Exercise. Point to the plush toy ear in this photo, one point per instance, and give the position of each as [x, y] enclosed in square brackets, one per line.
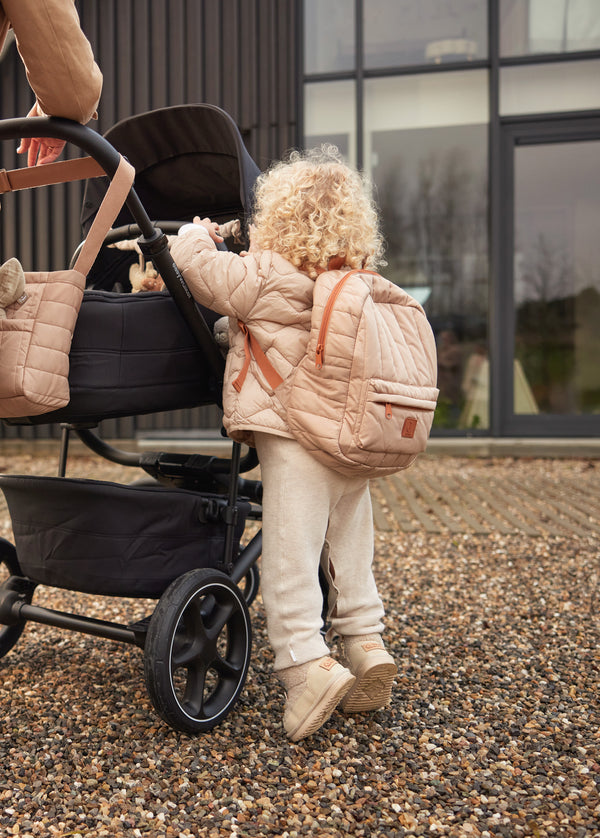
[12, 284]
[136, 277]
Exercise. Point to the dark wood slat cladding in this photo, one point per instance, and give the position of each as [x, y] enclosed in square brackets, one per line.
[238, 54]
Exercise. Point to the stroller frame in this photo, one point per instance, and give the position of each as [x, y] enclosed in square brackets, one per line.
[200, 627]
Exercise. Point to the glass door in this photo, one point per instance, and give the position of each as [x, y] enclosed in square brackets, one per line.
[550, 314]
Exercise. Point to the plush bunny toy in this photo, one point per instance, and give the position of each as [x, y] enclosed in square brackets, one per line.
[12, 285]
[144, 277]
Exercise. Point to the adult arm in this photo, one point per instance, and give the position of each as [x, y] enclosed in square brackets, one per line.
[57, 56]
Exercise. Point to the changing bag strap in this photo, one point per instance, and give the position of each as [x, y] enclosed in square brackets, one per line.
[110, 207]
[50, 173]
[78, 169]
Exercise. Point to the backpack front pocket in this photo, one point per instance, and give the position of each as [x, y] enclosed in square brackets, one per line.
[395, 418]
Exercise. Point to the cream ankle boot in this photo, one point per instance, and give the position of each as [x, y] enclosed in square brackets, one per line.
[365, 656]
[314, 690]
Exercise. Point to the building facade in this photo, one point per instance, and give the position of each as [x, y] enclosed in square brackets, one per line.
[479, 124]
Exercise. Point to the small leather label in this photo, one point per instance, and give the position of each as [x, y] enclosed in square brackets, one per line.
[409, 427]
[373, 644]
[327, 663]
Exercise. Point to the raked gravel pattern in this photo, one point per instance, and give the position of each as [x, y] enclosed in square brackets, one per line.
[493, 728]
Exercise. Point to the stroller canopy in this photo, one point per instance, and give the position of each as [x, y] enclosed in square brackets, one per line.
[189, 160]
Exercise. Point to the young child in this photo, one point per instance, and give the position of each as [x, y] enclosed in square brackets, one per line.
[312, 214]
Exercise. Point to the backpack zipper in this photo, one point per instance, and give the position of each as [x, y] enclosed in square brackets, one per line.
[337, 288]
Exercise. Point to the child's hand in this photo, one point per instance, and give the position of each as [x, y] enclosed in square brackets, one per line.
[211, 226]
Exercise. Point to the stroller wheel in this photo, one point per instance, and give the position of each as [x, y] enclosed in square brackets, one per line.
[197, 650]
[9, 566]
[250, 584]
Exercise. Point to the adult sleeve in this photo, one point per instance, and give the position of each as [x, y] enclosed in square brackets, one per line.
[58, 58]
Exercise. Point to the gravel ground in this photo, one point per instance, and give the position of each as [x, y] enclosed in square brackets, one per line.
[493, 729]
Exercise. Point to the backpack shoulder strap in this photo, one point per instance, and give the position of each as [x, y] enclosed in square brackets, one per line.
[252, 347]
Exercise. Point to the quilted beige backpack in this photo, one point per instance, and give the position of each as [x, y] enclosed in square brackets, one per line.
[363, 397]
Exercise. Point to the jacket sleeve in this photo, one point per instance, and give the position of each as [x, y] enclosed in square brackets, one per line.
[57, 56]
[220, 280]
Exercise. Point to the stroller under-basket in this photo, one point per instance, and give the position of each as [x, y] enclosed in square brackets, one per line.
[174, 535]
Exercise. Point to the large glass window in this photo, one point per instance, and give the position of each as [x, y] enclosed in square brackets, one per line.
[330, 116]
[529, 27]
[557, 278]
[329, 39]
[550, 87]
[405, 32]
[426, 149]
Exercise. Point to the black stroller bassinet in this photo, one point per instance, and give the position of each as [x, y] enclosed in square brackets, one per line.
[173, 536]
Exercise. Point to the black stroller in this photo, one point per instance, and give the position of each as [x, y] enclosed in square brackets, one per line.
[174, 535]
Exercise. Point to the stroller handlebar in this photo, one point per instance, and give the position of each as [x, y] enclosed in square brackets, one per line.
[63, 129]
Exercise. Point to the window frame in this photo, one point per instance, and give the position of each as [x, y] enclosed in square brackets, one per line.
[515, 132]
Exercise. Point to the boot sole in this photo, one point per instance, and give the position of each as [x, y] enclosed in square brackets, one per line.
[373, 689]
[324, 707]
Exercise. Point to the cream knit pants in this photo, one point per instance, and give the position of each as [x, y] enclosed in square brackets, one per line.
[312, 514]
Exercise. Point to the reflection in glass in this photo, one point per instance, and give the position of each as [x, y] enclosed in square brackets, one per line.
[529, 27]
[330, 116]
[557, 278]
[405, 32]
[431, 182]
[329, 40]
[550, 87]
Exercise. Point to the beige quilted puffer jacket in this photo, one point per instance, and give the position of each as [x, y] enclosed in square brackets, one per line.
[274, 299]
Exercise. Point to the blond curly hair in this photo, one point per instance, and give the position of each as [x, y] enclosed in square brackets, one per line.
[311, 208]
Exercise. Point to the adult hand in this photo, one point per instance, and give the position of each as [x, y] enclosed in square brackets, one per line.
[40, 150]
